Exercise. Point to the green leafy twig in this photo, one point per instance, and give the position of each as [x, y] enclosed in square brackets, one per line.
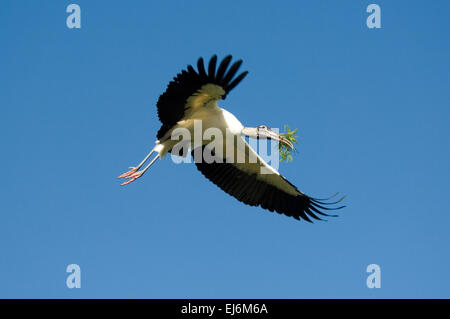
[286, 152]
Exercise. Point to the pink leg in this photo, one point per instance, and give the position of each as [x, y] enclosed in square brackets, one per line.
[134, 174]
[132, 177]
[134, 169]
[131, 171]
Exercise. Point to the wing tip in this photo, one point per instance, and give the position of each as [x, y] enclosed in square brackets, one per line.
[317, 205]
[222, 75]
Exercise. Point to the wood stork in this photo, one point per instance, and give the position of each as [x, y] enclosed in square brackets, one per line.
[193, 95]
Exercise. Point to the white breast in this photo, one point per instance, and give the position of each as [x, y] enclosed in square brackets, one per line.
[234, 125]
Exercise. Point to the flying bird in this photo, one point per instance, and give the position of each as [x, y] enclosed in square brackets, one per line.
[193, 95]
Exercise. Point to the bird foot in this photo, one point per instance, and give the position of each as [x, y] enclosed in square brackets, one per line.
[130, 172]
[131, 175]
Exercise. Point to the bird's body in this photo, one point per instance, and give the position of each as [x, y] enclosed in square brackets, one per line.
[211, 116]
[190, 105]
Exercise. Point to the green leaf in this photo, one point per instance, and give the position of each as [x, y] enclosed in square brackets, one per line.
[285, 152]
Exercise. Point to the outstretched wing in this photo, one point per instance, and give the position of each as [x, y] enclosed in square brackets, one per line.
[192, 88]
[271, 191]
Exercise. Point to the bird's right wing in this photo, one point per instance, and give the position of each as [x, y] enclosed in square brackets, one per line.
[192, 89]
[258, 184]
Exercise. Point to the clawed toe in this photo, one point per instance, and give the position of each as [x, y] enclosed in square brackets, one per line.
[130, 172]
[131, 176]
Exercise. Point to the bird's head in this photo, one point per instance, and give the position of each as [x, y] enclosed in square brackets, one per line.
[264, 132]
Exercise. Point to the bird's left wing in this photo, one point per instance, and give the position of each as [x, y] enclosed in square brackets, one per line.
[246, 182]
[191, 89]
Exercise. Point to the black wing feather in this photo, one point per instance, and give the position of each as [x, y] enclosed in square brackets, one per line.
[232, 71]
[201, 68]
[236, 81]
[212, 68]
[222, 68]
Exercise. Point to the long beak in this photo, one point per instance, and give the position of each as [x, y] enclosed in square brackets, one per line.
[278, 137]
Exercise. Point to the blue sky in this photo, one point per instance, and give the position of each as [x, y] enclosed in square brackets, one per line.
[78, 108]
